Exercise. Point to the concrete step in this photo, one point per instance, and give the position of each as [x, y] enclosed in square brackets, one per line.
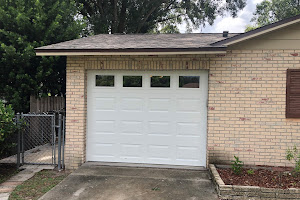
[5, 189]
[4, 196]
[11, 183]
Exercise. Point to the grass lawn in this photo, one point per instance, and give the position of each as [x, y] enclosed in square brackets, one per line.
[7, 171]
[38, 185]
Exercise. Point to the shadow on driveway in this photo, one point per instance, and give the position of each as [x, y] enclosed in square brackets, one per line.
[128, 183]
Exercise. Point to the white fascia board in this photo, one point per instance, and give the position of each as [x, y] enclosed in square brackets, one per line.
[125, 53]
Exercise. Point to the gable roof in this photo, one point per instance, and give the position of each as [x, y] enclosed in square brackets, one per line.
[155, 44]
[137, 43]
[257, 32]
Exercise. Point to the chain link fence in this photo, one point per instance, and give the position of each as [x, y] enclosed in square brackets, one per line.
[40, 140]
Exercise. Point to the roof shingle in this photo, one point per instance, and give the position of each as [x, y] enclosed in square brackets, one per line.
[139, 41]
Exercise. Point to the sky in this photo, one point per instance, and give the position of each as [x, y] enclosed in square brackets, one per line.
[227, 23]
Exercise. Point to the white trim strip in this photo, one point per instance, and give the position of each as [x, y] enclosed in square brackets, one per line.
[124, 53]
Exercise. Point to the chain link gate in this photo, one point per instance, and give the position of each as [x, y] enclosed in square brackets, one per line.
[41, 139]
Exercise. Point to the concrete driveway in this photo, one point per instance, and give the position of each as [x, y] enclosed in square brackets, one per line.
[97, 182]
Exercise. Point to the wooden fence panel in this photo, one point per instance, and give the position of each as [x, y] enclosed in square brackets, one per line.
[46, 104]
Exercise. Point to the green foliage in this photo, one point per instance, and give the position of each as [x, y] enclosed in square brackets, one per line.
[293, 154]
[237, 165]
[25, 25]
[270, 11]
[250, 171]
[166, 29]
[142, 16]
[8, 128]
[250, 28]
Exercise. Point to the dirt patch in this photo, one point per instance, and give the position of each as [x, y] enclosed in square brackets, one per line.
[38, 185]
[7, 171]
[268, 178]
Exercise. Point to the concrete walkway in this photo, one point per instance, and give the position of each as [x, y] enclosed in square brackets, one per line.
[27, 172]
[40, 154]
[128, 183]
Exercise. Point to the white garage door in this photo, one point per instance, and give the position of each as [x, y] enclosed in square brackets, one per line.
[147, 117]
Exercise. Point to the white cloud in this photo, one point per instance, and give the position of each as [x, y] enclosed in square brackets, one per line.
[227, 23]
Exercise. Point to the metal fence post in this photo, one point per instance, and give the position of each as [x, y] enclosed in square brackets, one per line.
[22, 142]
[19, 140]
[59, 141]
[63, 142]
[54, 139]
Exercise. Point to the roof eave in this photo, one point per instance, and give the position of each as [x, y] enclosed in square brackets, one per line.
[92, 52]
[259, 31]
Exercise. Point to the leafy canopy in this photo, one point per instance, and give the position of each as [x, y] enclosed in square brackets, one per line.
[25, 25]
[270, 11]
[142, 16]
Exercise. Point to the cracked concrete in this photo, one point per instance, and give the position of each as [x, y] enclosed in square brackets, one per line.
[121, 183]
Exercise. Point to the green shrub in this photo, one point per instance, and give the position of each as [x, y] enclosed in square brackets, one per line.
[237, 165]
[8, 128]
[250, 171]
[293, 154]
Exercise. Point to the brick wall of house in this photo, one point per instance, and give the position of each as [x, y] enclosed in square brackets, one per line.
[246, 114]
[75, 112]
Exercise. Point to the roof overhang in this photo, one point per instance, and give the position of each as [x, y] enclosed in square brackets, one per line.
[98, 52]
[259, 31]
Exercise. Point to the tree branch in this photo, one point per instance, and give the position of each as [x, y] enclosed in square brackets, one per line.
[147, 16]
[167, 19]
[99, 5]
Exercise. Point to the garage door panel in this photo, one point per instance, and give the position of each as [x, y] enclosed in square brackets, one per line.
[105, 126]
[188, 153]
[188, 129]
[147, 124]
[159, 105]
[190, 141]
[131, 150]
[159, 128]
[188, 105]
[103, 149]
[105, 104]
[132, 104]
[132, 127]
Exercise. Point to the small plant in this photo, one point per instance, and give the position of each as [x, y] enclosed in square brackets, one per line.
[293, 154]
[8, 128]
[250, 171]
[237, 165]
[156, 188]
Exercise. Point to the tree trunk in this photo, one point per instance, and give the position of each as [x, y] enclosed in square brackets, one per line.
[115, 18]
[122, 21]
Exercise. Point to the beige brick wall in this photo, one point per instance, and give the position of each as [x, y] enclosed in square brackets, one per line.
[246, 115]
[75, 112]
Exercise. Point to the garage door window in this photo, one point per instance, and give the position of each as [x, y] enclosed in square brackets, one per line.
[132, 81]
[160, 81]
[105, 80]
[189, 81]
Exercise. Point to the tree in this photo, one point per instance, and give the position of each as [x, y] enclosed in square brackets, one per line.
[25, 25]
[270, 11]
[8, 128]
[142, 16]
